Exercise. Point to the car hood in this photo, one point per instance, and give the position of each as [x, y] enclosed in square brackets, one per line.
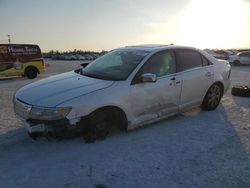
[55, 90]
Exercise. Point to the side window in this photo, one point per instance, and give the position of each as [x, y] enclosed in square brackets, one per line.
[205, 62]
[189, 59]
[245, 54]
[161, 64]
[242, 55]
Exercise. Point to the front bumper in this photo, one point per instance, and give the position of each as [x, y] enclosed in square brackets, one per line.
[47, 127]
[55, 129]
[39, 126]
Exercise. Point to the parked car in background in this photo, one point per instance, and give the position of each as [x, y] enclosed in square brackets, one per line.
[230, 52]
[223, 54]
[242, 58]
[127, 87]
[88, 57]
[80, 57]
[70, 57]
[218, 54]
[21, 60]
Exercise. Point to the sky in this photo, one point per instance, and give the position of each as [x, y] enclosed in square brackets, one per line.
[104, 25]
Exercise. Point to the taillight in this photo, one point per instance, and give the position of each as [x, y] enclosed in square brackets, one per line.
[43, 63]
[229, 74]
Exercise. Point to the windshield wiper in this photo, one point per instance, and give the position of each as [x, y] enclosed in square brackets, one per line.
[92, 75]
[102, 77]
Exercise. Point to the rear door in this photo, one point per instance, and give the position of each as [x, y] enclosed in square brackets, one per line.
[197, 77]
[151, 101]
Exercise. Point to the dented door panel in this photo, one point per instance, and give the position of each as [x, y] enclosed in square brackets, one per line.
[152, 101]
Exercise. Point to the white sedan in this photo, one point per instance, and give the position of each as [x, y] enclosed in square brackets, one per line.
[127, 88]
[242, 58]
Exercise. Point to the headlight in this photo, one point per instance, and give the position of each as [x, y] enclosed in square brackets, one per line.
[41, 113]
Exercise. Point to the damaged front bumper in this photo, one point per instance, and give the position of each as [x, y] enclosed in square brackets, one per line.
[55, 129]
[46, 127]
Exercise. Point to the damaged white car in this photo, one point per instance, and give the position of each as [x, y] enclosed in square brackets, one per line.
[127, 88]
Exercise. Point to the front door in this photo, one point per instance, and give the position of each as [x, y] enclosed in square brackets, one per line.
[154, 100]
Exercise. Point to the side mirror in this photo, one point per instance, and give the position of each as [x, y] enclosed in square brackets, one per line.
[148, 77]
[83, 65]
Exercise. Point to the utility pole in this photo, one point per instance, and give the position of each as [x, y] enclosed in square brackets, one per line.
[10, 50]
[9, 39]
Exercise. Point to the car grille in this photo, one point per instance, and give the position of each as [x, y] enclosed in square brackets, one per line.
[22, 109]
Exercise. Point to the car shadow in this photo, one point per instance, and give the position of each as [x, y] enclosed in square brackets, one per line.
[194, 149]
[16, 79]
[2, 79]
[242, 101]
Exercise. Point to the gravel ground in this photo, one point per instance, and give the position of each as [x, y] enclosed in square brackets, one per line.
[193, 149]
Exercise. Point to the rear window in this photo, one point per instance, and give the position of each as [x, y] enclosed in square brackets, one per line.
[205, 62]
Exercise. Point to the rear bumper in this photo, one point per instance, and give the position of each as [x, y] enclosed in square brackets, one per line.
[227, 85]
[41, 70]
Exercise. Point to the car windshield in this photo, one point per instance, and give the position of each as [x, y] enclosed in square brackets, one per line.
[116, 65]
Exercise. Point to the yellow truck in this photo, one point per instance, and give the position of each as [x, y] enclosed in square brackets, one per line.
[21, 60]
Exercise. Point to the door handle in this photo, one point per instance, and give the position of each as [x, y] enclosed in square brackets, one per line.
[173, 79]
[208, 74]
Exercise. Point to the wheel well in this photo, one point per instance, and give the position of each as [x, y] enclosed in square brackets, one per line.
[115, 115]
[221, 86]
[204, 105]
[33, 67]
[218, 83]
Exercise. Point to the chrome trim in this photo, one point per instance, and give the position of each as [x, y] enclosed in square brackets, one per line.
[22, 109]
[36, 128]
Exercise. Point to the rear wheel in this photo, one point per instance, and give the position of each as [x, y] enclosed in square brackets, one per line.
[31, 72]
[213, 97]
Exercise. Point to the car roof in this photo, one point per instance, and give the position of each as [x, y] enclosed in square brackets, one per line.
[13, 44]
[244, 52]
[155, 47]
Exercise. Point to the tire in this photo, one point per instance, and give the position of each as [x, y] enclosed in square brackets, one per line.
[119, 120]
[212, 97]
[31, 72]
[33, 136]
[97, 128]
[242, 91]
